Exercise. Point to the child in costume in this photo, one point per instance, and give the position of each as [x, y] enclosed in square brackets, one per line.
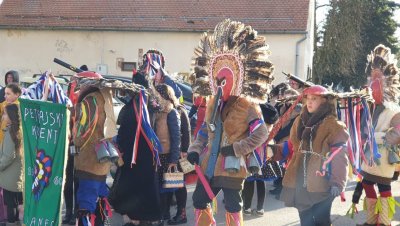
[198, 108]
[283, 92]
[232, 65]
[317, 168]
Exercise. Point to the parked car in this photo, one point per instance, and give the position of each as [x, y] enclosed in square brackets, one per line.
[25, 82]
[187, 93]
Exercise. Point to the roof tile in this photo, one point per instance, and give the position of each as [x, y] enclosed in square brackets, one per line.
[183, 15]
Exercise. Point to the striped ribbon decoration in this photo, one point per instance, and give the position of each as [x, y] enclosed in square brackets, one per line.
[46, 84]
[144, 128]
[261, 151]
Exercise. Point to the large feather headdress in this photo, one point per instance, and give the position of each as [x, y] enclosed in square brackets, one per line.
[238, 47]
[381, 59]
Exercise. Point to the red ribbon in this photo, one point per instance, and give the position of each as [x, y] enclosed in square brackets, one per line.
[204, 182]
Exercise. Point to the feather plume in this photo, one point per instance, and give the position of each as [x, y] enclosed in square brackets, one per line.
[238, 46]
[381, 58]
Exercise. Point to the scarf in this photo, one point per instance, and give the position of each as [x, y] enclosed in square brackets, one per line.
[310, 121]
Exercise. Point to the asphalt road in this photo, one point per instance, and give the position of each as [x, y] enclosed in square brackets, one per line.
[278, 215]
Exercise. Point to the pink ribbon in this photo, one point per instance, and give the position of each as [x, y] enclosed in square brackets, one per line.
[334, 153]
[204, 182]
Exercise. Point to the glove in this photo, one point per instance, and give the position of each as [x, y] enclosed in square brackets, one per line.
[193, 158]
[335, 191]
[227, 151]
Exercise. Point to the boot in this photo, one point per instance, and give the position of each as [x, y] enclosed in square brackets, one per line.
[277, 190]
[67, 217]
[234, 219]
[11, 224]
[384, 218]
[204, 217]
[180, 218]
[73, 220]
[369, 207]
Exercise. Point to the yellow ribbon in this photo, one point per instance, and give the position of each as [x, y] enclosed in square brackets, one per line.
[214, 206]
[392, 206]
[378, 206]
[351, 211]
[84, 115]
[365, 205]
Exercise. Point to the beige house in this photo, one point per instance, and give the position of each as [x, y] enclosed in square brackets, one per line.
[110, 36]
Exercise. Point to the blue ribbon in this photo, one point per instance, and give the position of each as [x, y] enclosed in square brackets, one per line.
[371, 134]
[212, 161]
[352, 128]
[155, 145]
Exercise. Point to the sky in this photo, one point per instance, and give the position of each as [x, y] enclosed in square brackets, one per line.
[321, 14]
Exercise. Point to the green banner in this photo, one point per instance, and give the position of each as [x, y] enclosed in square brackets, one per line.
[44, 127]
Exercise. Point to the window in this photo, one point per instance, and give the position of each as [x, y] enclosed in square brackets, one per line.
[128, 66]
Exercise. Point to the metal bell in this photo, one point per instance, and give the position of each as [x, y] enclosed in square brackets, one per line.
[253, 166]
[102, 153]
[232, 164]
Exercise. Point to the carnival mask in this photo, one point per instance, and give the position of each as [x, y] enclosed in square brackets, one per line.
[225, 80]
[376, 85]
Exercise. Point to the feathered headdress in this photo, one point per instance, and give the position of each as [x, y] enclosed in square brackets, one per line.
[238, 47]
[382, 62]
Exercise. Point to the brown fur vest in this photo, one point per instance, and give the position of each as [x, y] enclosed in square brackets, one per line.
[86, 162]
[235, 118]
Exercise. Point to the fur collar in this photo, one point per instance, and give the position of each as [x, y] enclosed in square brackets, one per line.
[309, 122]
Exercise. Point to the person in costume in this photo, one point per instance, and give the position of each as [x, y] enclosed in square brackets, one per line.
[165, 93]
[381, 160]
[71, 182]
[317, 168]
[296, 86]
[286, 93]
[154, 68]
[141, 204]
[233, 67]
[199, 108]
[94, 122]
[270, 116]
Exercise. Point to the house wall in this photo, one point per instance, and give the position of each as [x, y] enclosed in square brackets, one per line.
[32, 51]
